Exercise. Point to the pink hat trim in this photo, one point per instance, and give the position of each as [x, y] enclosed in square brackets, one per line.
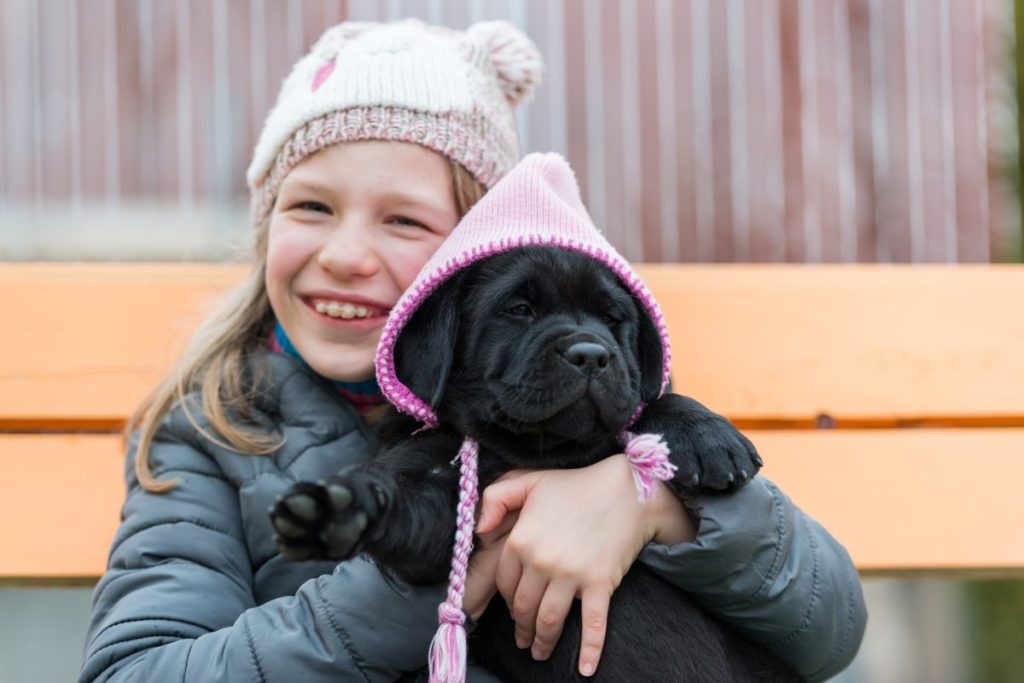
[429, 281]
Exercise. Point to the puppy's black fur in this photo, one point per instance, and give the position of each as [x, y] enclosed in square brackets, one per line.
[542, 355]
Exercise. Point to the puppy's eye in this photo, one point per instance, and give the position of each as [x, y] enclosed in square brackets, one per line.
[519, 311]
[609, 319]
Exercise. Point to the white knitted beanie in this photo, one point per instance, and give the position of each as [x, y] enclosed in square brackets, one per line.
[451, 91]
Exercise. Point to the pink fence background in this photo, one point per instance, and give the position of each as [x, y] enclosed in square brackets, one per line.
[701, 130]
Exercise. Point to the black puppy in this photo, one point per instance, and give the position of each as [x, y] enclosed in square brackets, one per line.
[542, 355]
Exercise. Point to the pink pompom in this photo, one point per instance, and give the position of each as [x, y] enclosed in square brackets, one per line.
[648, 454]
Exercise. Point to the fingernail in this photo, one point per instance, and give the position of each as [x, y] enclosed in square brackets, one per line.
[587, 669]
[522, 643]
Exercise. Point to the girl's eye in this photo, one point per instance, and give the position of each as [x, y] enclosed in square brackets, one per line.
[316, 207]
[519, 311]
[405, 220]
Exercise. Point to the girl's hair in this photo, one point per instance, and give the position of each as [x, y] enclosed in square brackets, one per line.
[215, 363]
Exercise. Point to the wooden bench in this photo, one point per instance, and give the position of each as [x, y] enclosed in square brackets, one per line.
[887, 401]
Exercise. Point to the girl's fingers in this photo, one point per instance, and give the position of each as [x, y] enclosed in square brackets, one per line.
[480, 583]
[528, 595]
[510, 571]
[595, 622]
[551, 613]
[500, 498]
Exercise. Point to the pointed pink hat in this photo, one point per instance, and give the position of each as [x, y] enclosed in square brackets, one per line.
[537, 204]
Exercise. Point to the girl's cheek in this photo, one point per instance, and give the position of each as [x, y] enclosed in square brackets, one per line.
[288, 250]
[408, 259]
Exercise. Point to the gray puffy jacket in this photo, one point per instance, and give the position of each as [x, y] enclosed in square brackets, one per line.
[195, 590]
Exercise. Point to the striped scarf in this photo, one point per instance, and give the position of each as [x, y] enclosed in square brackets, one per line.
[364, 396]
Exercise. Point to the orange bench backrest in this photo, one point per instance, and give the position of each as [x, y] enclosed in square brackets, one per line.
[919, 369]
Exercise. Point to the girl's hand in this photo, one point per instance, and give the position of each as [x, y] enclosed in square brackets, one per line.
[578, 533]
[481, 584]
[480, 580]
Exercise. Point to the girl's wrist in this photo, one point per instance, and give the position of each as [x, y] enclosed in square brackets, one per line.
[667, 518]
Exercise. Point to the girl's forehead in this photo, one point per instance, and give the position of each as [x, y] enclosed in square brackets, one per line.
[376, 157]
[388, 169]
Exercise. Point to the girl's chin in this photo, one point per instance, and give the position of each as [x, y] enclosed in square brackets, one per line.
[342, 366]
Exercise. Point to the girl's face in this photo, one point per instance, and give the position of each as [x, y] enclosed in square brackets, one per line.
[351, 228]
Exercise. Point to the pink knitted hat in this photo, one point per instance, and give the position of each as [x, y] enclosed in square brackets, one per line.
[451, 91]
[537, 204]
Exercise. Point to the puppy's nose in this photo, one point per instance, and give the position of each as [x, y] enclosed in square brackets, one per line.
[587, 356]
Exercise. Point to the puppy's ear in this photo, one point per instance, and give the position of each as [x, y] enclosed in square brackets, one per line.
[650, 355]
[426, 347]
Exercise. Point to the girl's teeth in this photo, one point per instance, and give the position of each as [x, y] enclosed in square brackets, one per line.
[346, 310]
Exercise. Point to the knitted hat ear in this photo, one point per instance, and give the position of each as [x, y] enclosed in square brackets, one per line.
[335, 38]
[514, 57]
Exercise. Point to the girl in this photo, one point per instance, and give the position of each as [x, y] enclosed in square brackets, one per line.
[381, 139]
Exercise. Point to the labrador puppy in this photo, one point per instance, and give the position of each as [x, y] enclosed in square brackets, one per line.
[542, 355]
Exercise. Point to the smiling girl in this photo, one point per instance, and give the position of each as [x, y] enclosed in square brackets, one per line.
[381, 139]
[341, 252]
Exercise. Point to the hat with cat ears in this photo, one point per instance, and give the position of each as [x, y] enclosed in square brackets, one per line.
[537, 204]
[450, 91]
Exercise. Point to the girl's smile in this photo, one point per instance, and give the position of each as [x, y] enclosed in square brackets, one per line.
[345, 306]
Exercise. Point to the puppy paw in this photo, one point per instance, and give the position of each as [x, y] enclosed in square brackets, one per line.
[707, 450]
[324, 520]
[713, 455]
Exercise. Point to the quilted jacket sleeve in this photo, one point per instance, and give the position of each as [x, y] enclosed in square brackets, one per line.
[777, 576]
[177, 604]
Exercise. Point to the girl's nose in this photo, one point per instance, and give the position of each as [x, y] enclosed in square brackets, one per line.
[349, 252]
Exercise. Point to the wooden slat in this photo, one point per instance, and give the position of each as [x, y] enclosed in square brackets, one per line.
[769, 346]
[924, 500]
[61, 500]
[84, 342]
[866, 345]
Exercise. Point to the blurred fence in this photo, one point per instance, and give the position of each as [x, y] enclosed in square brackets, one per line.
[701, 130]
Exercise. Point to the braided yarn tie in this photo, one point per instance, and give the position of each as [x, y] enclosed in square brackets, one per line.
[448, 649]
[648, 454]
